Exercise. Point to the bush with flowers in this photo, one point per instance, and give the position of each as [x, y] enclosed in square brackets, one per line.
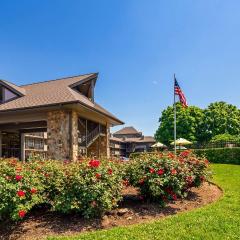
[90, 187]
[20, 189]
[164, 176]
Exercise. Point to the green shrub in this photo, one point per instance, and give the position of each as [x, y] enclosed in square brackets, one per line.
[225, 137]
[141, 154]
[20, 189]
[162, 176]
[220, 155]
[90, 187]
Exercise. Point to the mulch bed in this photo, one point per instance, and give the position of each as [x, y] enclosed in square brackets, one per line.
[41, 224]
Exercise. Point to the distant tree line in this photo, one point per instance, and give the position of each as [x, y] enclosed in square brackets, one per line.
[220, 121]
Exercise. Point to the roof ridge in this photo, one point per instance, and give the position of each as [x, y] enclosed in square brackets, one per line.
[94, 73]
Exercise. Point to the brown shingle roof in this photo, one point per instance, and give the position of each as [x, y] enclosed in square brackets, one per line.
[16, 89]
[116, 139]
[145, 139]
[53, 92]
[127, 130]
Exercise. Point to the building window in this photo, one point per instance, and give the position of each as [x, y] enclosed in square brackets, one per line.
[6, 95]
[1, 94]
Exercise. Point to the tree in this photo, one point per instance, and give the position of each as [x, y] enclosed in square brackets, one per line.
[189, 121]
[220, 118]
[199, 125]
[225, 137]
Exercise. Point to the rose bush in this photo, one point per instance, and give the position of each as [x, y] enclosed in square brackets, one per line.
[90, 187]
[20, 188]
[163, 176]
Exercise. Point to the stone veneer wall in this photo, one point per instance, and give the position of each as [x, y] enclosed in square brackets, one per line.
[74, 136]
[62, 135]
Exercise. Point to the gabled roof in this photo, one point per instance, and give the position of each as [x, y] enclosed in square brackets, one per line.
[127, 130]
[14, 88]
[53, 92]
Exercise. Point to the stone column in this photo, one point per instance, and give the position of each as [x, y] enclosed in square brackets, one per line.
[74, 136]
[62, 134]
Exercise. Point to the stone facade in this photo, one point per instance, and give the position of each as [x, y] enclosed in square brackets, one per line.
[62, 131]
[74, 136]
[62, 135]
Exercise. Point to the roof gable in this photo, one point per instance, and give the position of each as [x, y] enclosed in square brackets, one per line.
[13, 88]
[127, 130]
[54, 92]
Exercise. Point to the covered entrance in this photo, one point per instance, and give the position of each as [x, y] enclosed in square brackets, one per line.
[20, 140]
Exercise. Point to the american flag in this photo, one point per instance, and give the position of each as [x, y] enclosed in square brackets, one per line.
[178, 91]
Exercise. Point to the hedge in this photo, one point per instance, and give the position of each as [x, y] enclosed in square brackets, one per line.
[220, 155]
[214, 155]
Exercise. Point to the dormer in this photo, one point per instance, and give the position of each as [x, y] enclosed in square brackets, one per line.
[86, 87]
[9, 91]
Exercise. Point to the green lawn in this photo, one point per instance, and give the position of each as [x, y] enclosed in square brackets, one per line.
[220, 220]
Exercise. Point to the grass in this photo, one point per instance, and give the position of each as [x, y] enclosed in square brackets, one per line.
[220, 220]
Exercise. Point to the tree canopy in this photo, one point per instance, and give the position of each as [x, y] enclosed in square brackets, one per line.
[188, 122]
[197, 124]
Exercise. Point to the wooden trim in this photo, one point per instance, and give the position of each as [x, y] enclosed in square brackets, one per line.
[25, 125]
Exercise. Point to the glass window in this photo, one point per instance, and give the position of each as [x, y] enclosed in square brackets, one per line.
[1, 94]
[8, 95]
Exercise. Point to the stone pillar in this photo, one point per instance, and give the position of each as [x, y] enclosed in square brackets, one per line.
[74, 136]
[62, 127]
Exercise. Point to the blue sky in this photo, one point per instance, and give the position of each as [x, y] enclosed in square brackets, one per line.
[135, 45]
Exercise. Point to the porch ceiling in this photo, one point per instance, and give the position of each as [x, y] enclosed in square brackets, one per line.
[34, 126]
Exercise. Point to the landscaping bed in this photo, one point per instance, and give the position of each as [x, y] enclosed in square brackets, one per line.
[42, 223]
[42, 198]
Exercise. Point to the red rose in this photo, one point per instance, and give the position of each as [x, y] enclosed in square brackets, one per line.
[18, 177]
[33, 190]
[160, 172]
[185, 153]
[98, 175]
[202, 178]
[189, 179]
[94, 163]
[93, 204]
[21, 213]
[181, 160]
[21, 193]
[110, 171]
[173, 171]
[141, 181]
[125, 182]
[168, 190]
[174, 196]
[171, 155]
[151, 170]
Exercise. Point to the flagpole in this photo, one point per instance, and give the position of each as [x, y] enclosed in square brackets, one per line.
[175, 119]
